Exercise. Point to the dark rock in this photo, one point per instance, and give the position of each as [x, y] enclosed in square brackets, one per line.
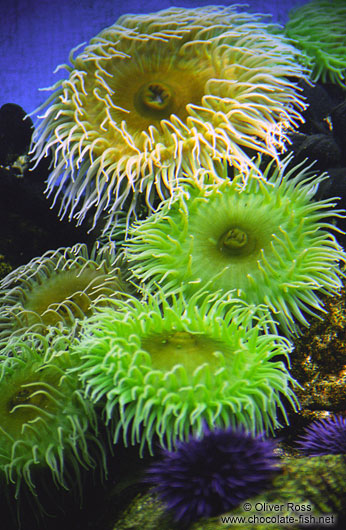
[338, 123]
[297, 139]
[319, 147]
[16, 130]
[320, 105]
[28, 225]
[15, 133]
[335, 186]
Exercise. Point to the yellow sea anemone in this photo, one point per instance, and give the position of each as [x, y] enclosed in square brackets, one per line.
[159, 94]
[59, 288]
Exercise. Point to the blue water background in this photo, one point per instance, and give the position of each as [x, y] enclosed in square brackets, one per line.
[36, 36]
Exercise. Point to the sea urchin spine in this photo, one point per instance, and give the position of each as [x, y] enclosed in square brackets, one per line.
[211, 474]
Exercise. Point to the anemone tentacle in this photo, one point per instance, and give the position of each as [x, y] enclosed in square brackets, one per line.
[45, 421]
[269, 240]
[165, 368]
[159, 94]
[318, 28]
[60, 288]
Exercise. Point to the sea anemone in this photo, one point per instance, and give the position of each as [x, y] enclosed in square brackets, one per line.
[209, 475]
[269, 240]
[59, 288]
[158, 94]
[319, 30]
[325, 437]
[165, 367]
[45, 422]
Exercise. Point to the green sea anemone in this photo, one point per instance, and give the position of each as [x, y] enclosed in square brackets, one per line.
[166, 368]
[269, 240]
[45, 422]
[319, 30]
[158, 94]
[59, 288]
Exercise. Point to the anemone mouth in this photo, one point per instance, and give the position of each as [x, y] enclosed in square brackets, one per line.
[26, 395]
[184, 348]
[237, 241]
[151, 97]
[155, 99]
[29, 401]
[230, 234]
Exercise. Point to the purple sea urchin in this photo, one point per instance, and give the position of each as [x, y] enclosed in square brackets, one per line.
[269, 240]
[58, 288]
[168, 367]
[325, 437]
[158, 94]
[214, 473]
[45, 422]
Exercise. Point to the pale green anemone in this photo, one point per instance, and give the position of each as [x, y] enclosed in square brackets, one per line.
[269, 240]
[166, 368]
[318, 28]
[158, 94]
[59, 289]
[45, 421]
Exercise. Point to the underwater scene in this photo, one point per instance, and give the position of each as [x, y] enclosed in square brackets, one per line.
[172, 265]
